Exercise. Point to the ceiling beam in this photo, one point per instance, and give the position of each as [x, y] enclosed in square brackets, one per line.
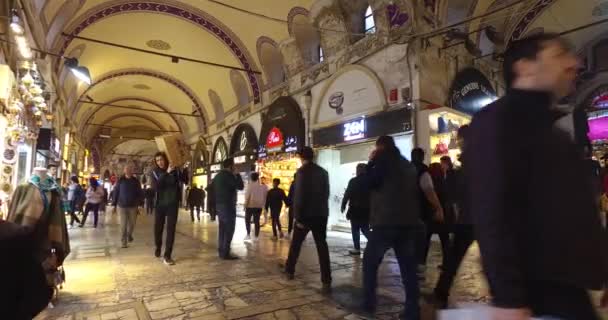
[131, 108]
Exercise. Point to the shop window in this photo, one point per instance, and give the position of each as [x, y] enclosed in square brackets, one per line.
[370, 24]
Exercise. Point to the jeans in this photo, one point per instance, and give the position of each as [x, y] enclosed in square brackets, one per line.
[227, 223]
[560, 301]
[95, 208]
[169, 215]
[291, 220]
[357, 228]
[72, 212]
[128, 217]
[444, 237]
[463, 238]
[253, 213]
[403, 241]
[198, 212]
[275, 214]
[318, 226]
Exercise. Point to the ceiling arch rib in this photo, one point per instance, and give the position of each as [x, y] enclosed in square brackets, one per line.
[94, 111]
[147, 73]
[180, 11]
[125, 121]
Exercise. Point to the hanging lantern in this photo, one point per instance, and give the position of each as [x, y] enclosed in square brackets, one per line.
[27, 79]
[36, 90]
[38, 100]
[16, 106]
[49, 117]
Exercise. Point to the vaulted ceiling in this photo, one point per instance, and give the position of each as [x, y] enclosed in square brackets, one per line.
[130, 88]
[131, 91]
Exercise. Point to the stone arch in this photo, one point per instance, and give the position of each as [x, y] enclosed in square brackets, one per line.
[520, 28]
[271, 60]
[59, 21]
[306, 35]
[156, 104]
[218, 106]
[178, 10]
[142, 72]
[328, 15]
[240, 88]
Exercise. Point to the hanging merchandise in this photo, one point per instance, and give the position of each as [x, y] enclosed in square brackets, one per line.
[441, 140]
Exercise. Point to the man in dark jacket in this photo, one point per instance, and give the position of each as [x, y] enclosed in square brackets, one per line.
[127, 198]
[542, 245]
[225, 186]
[211, 202]
[458, 201]
[357, 197]
[196, 200]
[274, 203]
[311, 205]
[165, 181]
[395, 222]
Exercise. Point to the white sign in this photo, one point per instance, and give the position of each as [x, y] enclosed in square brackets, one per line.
[240, 159]
[216, 167]
[354, 130]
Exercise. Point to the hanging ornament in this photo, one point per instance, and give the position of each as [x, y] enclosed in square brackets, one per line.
[49, 117]
[16, 106]
[38, 100]
[27, 79]
[35, 90]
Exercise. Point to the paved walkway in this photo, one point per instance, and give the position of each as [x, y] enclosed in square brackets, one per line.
[106, 282]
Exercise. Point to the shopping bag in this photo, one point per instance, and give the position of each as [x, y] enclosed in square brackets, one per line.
[473, 312]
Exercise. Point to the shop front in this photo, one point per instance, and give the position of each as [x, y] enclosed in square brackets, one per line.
[282, 135]
[437, 126]
[341, 147]
[200, 169]
[220, 153]
[47, 148]
[243, 149]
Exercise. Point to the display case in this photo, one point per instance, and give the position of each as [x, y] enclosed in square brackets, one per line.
[282, 166]
[437, 133]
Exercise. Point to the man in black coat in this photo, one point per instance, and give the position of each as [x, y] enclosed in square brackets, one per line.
[357, 197]
[534, 211]
[196, 200]
[311, 205]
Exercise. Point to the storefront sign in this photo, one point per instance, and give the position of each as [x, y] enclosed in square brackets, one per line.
[291, 144]
[240, 159]
[471, 91]
[200, 171]
[274, 141]
[215, 167]
[385, 123]
[354, 130]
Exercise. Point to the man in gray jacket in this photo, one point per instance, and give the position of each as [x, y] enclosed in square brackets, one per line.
[395, 222]
[128, 196]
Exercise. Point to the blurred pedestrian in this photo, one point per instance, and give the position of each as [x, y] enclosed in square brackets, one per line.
[395, 223]
[211, 202]
[357, 196]
[541, 242]
[165, 182]
[290, 211]
[76, 196]
[432, 226]
[95, 197]
[463, 224]
[127, 198]
[255, 198]
[149, 196]
[196, 200]
[431, 210]
[225, 186]
[274, 203]
[311, 209]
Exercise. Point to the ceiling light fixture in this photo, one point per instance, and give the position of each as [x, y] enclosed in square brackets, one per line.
[23, 47]
[80, 72]
[16, 26]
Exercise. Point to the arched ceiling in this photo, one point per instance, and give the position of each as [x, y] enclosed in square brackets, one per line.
[196, 29]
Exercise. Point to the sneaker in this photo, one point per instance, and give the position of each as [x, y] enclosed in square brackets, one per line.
[168, 261]
[247, 238]
[157, 253]
[354, 252]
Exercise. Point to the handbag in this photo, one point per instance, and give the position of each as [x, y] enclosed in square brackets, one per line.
[442, 126]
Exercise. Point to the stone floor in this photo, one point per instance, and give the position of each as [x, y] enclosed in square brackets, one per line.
[106, 282]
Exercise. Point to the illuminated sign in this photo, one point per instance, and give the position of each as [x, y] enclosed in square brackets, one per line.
[216, 167]
[240, 159]
[200, 171]
[274, 141]
[354, 130]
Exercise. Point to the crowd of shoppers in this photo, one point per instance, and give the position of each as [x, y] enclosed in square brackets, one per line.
[541, 239]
